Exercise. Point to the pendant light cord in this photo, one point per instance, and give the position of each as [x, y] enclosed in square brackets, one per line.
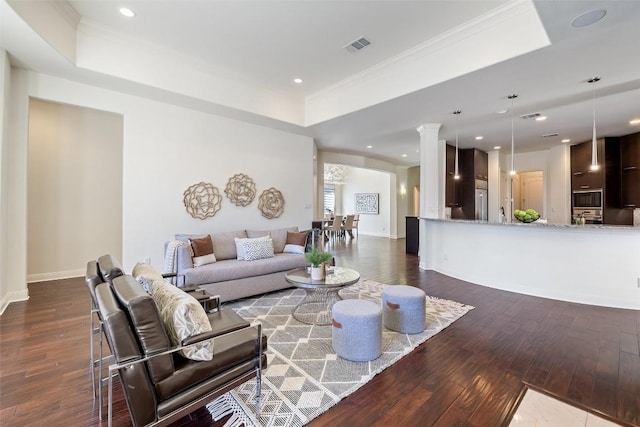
[594, 140]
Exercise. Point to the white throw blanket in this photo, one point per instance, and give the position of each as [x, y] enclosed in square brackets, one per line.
[171, 258]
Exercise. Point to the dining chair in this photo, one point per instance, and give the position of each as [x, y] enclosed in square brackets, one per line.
[335, 229]
[348, 225]
[356, 221]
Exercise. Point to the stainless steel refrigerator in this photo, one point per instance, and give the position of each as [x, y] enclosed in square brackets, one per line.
[482, 213]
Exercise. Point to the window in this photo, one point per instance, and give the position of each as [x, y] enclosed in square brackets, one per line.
[329, 200]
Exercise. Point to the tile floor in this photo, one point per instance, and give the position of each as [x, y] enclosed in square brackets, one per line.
[540, 410]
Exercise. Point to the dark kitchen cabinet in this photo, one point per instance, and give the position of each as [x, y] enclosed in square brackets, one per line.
[630, 170]
[582, 177]
[413, 235]
[473, 166]
[481, 165]
[610, 177]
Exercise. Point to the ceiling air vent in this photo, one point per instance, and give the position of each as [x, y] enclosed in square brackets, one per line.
[549, 135]
[530, 116]
[357, 45]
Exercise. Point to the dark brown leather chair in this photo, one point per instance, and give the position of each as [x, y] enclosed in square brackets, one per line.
[159, 384]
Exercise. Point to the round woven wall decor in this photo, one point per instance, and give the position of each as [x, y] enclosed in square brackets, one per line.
[202, 200]
[271, 203]
[240, 189]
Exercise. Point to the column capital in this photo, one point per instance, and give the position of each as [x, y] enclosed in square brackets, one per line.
[428, 126]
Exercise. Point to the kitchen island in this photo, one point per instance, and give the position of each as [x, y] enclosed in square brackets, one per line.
[588, 264]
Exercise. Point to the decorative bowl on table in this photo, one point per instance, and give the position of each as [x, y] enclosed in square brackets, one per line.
[530, 215]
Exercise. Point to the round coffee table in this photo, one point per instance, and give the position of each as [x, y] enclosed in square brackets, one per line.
[315, 308]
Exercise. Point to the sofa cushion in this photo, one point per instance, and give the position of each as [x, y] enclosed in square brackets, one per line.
[278, 235]
[257, 249]
[224, 246]
[233, 269]
[183, 317]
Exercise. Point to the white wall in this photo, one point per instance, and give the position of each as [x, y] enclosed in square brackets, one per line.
[369, 181]
[74, 183]
[395, 199]
[588, 265]
[5, 78]
[166, 149]
[556, 167]
[558, 184]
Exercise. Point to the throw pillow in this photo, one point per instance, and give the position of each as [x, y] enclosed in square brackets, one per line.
[254, 249]
[240, 245]
[202, 249]
[183, 317]
[201, 246]
[203, 260]
[293, 249]
[296, 238]
[145, 271]
[295, 243]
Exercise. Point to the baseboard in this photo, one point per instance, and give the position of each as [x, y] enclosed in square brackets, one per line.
[13, 297]
[43, 277]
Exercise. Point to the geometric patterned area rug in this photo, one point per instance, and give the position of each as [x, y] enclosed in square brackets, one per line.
[304, 377]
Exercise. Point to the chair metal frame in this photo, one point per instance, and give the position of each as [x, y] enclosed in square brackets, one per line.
[201, 401]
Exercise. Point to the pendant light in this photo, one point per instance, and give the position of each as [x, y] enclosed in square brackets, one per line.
[512, 172]
[456, 174]
[594, 140]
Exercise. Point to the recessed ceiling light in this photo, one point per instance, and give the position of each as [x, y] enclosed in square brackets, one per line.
[478, 138]
[369, 146]
[125, 11]
[588, 18]
[634, 122]
[418, 150]
[564, 141]
[497, 147]
[404, 155]
[541, 118]
[297, 80]
[503, 111]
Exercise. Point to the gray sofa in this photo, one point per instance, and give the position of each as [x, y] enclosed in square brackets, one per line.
[232, 278]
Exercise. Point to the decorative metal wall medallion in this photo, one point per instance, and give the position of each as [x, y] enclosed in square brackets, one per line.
[271, 203]
[240, 189]
[202, 200]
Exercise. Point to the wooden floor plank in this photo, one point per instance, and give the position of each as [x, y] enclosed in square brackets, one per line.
[469, 374]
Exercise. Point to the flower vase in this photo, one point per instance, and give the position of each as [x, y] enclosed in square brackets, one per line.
[317, 273]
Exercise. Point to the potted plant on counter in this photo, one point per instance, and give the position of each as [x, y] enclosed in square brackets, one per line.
[317, 259]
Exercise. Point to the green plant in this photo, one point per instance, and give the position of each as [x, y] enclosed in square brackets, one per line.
[316, 257]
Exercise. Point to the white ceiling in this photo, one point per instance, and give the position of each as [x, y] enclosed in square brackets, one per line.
[265, 44]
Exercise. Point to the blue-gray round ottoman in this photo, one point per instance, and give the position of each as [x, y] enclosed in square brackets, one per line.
[357, 330]
[403, 309]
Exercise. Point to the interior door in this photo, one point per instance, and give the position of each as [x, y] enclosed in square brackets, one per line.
[532, 191]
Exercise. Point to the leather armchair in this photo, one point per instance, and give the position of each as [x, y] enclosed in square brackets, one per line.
[159, 384]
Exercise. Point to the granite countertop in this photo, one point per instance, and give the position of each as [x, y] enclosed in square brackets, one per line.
[537, 224]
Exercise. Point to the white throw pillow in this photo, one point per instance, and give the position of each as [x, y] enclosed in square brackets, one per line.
[293, 249]
[240, 244]
[254, 249]
[183, 317]
[203, 260]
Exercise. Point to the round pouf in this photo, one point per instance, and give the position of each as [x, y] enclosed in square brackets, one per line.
[357, 330]
[403, 309]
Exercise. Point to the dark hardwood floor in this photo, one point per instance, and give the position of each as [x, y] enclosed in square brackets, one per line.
[471, 374]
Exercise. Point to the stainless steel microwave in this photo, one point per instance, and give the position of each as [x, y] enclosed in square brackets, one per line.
[587, 199]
